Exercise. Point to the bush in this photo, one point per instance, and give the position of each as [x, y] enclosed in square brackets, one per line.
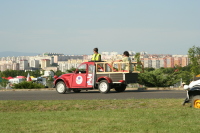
[28, 85]
[3, 82]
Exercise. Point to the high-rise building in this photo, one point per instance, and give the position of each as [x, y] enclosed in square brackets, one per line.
[155, 63]
[34, 63]
[23, 64]
[45, 63]
[15, 66]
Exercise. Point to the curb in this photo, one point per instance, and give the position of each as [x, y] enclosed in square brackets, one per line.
[50, 89]
[43, 89]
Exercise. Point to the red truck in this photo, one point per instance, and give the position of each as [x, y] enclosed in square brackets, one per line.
[98, 75]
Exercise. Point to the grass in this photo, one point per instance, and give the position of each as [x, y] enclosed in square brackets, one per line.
[98, 116]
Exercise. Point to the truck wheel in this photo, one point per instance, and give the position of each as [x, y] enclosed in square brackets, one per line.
[61, 88]
[76, 90]
[104, 86]
[121, 88]
[196, 102]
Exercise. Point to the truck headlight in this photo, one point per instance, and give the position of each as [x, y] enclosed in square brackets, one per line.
[186, 87]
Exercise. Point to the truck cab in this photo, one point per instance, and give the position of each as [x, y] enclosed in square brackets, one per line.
[98, 75]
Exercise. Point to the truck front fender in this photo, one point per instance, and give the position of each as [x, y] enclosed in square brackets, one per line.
[61, 79]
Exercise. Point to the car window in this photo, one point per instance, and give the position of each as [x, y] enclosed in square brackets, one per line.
[90, 68]
[82, 68]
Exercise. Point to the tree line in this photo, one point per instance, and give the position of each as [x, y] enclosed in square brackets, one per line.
[14, 73]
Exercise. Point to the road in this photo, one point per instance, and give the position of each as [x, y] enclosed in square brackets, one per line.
[90, 95]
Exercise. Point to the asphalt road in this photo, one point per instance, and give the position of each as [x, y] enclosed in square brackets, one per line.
[90, 95]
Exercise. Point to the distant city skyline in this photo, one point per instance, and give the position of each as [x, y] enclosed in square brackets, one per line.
[12, 53]
[76, 27]
[58, 61]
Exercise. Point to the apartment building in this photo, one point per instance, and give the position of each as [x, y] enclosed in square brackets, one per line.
[180, 60]
[158, 61]
[67, 57]
[8, 65]
[15, 66]
[40, 58]
[146, 62]
[66, 65]
[23, 65]
[34, 63]
[45, 63]
[162, 62]
[155, 63]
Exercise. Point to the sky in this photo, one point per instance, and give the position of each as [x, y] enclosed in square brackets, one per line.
[78, 26]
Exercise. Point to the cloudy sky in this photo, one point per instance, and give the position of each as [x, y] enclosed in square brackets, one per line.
[77, 26]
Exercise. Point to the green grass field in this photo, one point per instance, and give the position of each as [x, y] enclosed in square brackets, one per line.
[99, 116]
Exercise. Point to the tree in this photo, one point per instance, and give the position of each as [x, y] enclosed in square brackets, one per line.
[159, 78]
[58, 73]
[194, 56]
[137, 58]
[35, 73]
[186, 76]
[149, 69]
[71, 70]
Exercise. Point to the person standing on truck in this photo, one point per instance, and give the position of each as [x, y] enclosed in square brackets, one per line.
[126, 59]
[96, 56]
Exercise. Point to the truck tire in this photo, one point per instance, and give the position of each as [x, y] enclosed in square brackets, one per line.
[76, 90]
[62, 88]
[104, 86]
[121, 88]
[196, 102]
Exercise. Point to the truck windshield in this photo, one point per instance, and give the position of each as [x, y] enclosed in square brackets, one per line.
[82, 68]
